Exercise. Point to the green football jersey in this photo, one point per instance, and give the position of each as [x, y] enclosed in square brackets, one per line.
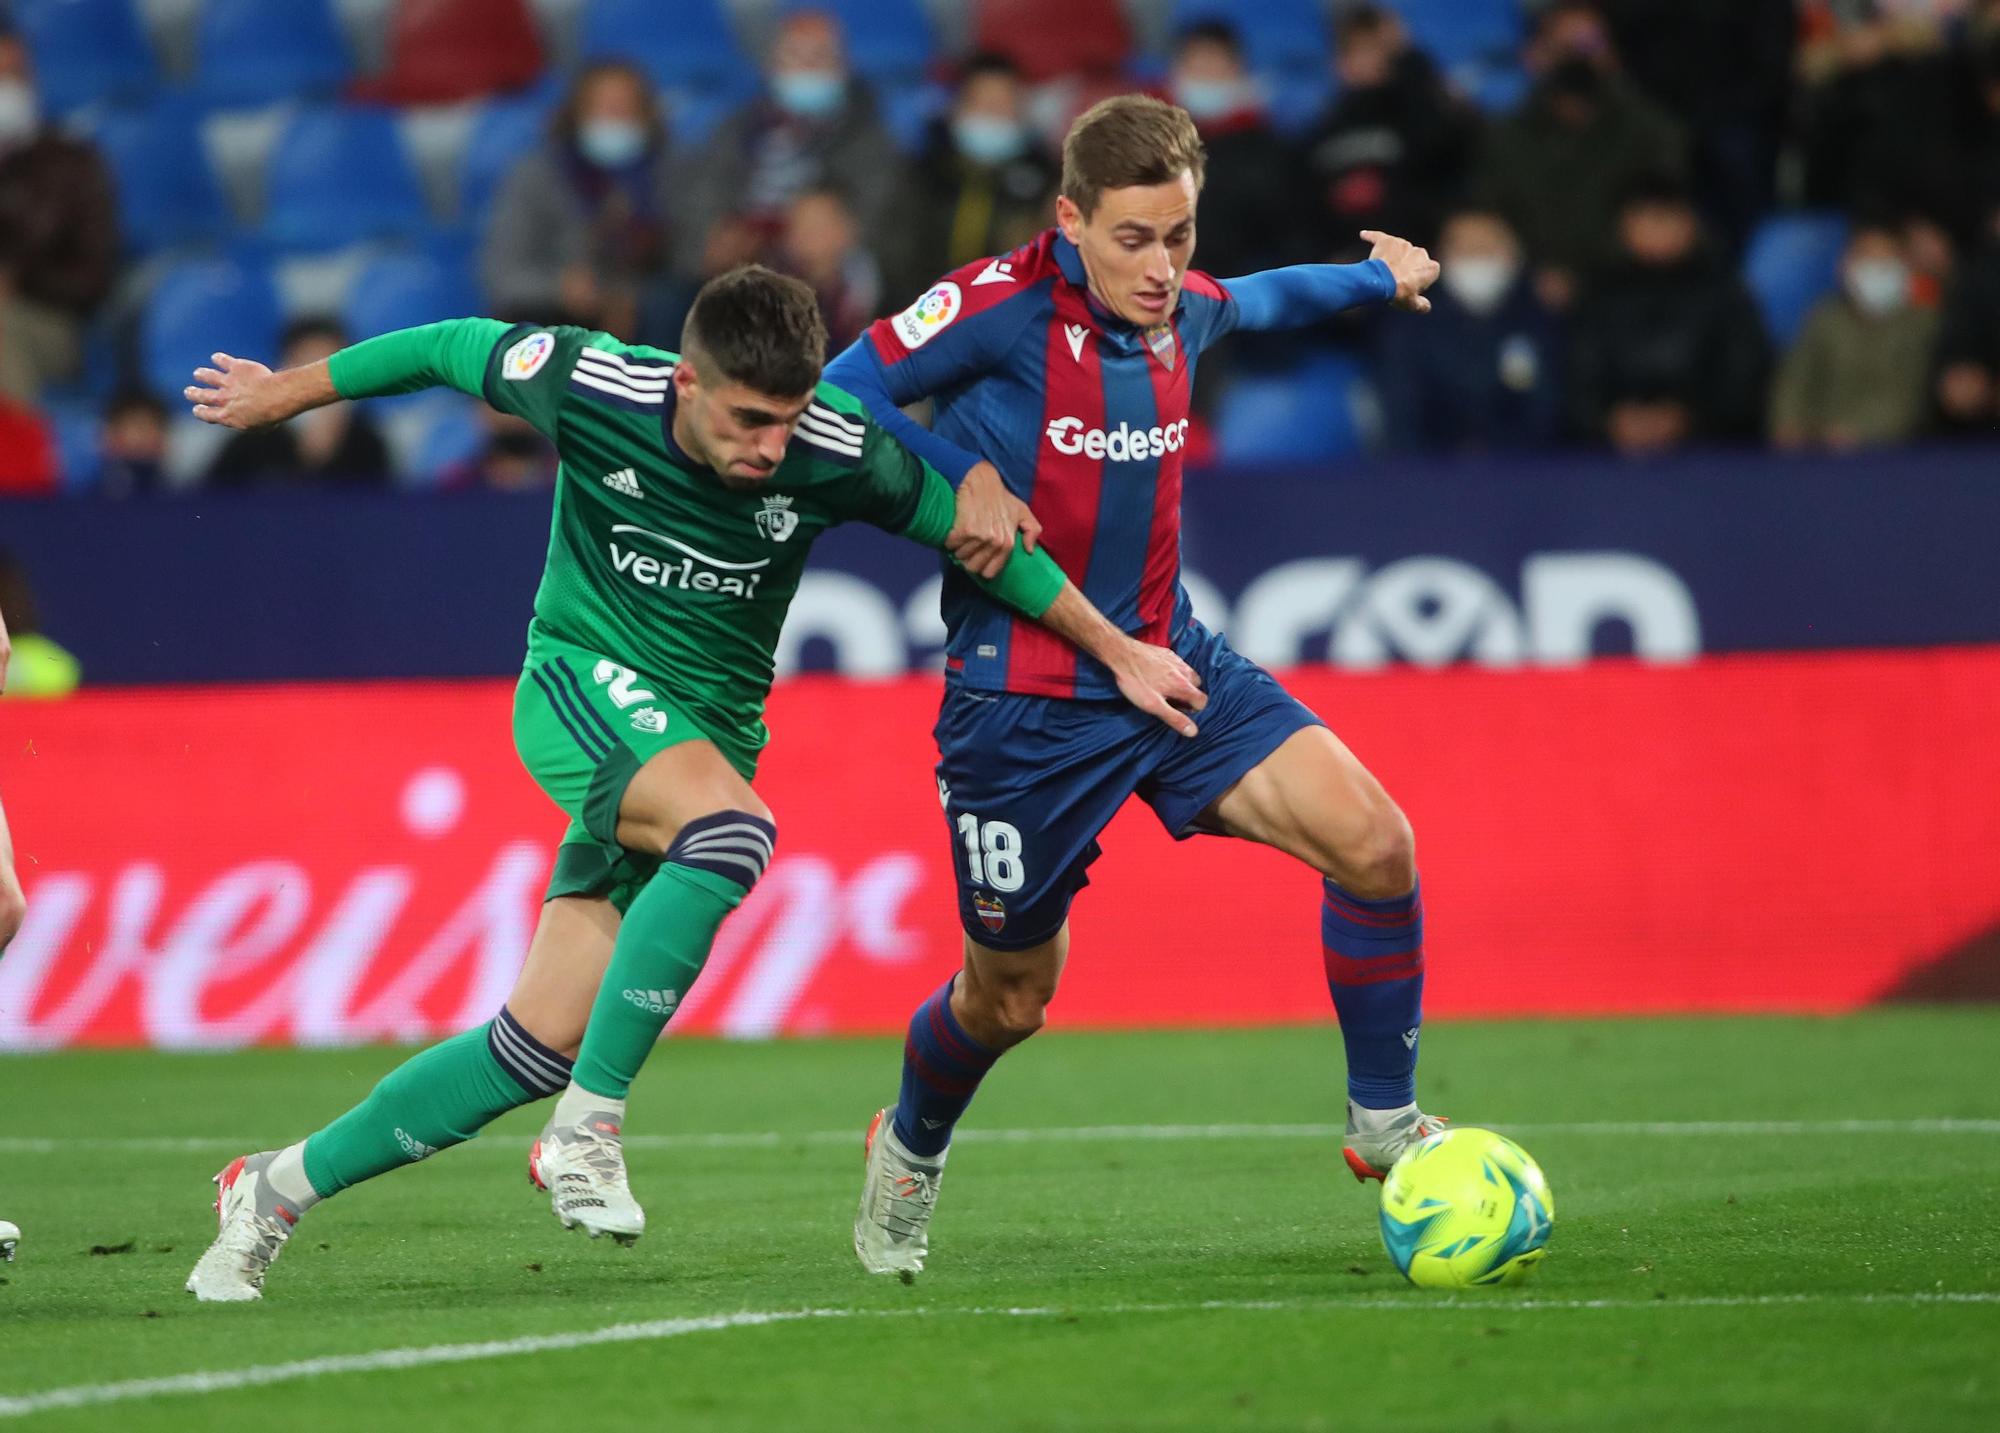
[653, 562]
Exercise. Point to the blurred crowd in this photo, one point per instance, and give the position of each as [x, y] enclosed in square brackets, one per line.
[1600, 236]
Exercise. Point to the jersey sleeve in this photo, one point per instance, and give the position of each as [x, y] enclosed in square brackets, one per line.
[962, 326]
[1303, 294]
[521, 370]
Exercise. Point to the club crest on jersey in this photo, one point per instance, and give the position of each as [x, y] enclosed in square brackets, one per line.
[923, 320]
[526, 358]
[776, 520]
[992, 911]
[1161, 340]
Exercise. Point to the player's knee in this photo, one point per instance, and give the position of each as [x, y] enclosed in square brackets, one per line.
[736, 844]
[1380, 861]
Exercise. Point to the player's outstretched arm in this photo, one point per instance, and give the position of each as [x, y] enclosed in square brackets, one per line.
[1154, 679]
[243, 393]
[1395, 272]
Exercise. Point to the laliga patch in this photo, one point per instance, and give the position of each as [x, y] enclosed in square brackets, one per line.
[992, 911]
[526, 358]
[921, 322]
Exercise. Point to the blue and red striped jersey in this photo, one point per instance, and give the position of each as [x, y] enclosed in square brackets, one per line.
[1085, 416]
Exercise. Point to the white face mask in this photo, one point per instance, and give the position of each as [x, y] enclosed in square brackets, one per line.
[1480, 283]
[1878, 286]
[19, 115]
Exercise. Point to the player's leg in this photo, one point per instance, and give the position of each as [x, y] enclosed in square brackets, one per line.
[1275, 775]
[437, 1098]
[1027, 784]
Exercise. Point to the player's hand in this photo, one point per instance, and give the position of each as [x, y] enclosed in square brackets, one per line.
[238, 393]
[1414, 268]
[1155, 679]
[983, 527]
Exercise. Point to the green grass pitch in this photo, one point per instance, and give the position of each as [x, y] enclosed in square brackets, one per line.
[1761, 1224]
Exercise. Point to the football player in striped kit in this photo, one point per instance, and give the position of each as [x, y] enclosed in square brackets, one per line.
[1061, 375]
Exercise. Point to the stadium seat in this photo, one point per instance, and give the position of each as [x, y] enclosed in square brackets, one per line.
[504, 131]
[1303, 414]
[688, 43]
[86, 51]
[1793, 261]
[252, 52]
[886, 39]
[1463, 34]
[167, 195]
[338, 176]
[445, 51]
[1279, 36]
[404, 290]
[201, 307]
[1050, 38]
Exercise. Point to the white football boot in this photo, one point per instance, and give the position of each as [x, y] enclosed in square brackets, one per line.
[581, 1167]
[255, 1225]
[898, 1193]
[1376, 1139]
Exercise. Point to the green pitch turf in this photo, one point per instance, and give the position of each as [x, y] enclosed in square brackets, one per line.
[1761, 1224]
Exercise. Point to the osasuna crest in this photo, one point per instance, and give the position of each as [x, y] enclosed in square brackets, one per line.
[776, 520]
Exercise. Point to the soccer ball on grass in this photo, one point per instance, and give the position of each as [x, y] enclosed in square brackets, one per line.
[1465, 1208]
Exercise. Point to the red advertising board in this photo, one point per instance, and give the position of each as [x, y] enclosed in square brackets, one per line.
[338, 863]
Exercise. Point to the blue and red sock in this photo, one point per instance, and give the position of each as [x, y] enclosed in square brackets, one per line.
[1374, 954]
[942, 1067]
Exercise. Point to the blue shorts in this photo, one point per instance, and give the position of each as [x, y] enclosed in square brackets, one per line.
[1029, 783]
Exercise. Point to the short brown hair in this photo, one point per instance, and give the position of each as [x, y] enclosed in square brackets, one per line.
[1128, 140]
[758, 328]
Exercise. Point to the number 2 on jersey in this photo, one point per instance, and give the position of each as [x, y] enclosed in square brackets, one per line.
[993, 853]
[621, 690]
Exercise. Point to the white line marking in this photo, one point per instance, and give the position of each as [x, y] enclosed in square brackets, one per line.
[1088, 1134]
[424, 1356]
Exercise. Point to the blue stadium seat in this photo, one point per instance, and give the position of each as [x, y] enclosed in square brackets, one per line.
[1793, 261]
[1286, 36]
[202, 307]
[1462, 33]
[451, 437]
[338, 176]
[686, 43]
[86, 51]
[886, 39]
[253, 52]
[404, 290]
[504, 131]
[79, 426]
[1304, 414]
[167, 195]
[693, 112]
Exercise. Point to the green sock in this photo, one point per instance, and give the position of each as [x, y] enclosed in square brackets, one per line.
[661, 948]
[433, 1100]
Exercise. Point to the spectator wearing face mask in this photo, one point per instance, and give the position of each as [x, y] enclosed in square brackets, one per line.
[1391, 152]
[58, 237]
[1559, 166]
[132, 450]
[983, 184]
[580, 229]
[1669, 348]
[1859, 375]
[815, 126]
[1250, 213]
[1482, 372]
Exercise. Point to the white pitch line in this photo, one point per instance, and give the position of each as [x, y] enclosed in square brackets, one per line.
[1090, 1134]
[423, 1356]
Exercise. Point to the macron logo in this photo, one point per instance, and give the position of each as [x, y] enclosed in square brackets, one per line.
[1076, 333]
[1409, 1039]
[625, 481]
[997, 272]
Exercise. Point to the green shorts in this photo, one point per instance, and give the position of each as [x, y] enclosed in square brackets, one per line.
[584, 724]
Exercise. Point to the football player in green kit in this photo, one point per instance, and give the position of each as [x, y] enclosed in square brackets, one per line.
[691, 489]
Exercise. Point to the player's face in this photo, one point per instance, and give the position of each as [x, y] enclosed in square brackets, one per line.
[1136, 246]
[734, 429]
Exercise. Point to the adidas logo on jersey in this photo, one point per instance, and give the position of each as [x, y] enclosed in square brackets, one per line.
[654, 1002]
[625, 481]
[1123, 444]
